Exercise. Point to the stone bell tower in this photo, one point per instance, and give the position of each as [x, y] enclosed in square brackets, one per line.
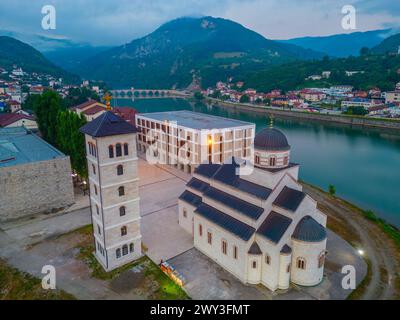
[114, 189]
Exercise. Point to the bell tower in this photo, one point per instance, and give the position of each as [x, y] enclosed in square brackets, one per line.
[114, 189]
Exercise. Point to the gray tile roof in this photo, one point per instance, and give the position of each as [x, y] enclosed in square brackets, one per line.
[108, 124]
[226, 174]
[254, 249]
[274, 226]
[225, 221]
[309, 230]
[198, 185]
[248, 209]
[190, 198]
[286, 249]
[289, 199]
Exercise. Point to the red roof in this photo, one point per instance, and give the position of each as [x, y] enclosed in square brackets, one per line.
[126, 113]
[85, 104]
[9, 118]
[93, 110]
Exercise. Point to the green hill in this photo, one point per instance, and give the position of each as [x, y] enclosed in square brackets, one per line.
[207, 48]
[389, 45]
[13, 51]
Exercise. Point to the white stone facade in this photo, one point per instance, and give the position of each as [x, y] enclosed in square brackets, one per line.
[114, 198]
[273, 250]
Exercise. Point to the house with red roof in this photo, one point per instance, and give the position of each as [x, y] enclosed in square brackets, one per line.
[91, 109]
[8, 120]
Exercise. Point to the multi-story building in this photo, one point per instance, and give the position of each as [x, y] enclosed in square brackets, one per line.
[259, 225]
[186, 139]
[35, 177]
[114, 189]
[393, 97]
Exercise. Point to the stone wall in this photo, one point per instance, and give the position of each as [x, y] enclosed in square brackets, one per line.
[38, 187]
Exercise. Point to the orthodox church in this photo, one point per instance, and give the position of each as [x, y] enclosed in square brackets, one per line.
[261, 227]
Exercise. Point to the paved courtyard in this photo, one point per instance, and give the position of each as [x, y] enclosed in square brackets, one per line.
[164, 239]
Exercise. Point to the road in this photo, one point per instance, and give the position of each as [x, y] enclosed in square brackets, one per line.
[379, 248]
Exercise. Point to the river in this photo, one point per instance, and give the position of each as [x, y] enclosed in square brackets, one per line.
[363, 164]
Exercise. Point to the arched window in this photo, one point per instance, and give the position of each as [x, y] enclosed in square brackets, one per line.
[122, 211]
[118, 253]
[118, 150]
[254, 264]
[94, 169]
[124, 231]
[131, 247]
[286, 160]
[224, 247]
[120, 170]
[272, 161]
[90, 147]
[126, 149]
[321, 259]
[111, 151]
[121, 191]
[301, 263]
[267, 259]
[125, 250]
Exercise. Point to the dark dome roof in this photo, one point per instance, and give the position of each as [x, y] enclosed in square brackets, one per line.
[271, 139]
[309, 230]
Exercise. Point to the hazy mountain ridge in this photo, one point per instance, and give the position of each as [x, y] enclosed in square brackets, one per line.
[342, 45]
[209, 48]
[15, 52]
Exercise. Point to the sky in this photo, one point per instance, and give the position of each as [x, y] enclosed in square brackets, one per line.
[114, 22]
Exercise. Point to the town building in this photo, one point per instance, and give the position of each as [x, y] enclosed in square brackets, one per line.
[91, 109]
[34, 176]
[258, 225]
[114, 189]
[8, 120]
[186, 139]
[392, 97]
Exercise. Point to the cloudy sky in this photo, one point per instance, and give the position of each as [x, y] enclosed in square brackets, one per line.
[111, 22]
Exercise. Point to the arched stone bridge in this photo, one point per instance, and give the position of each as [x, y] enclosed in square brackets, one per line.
[143, 93]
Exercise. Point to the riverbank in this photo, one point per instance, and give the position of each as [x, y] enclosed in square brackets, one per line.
[360, 121]
[379, 242]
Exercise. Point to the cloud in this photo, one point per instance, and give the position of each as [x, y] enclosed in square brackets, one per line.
[114, 22]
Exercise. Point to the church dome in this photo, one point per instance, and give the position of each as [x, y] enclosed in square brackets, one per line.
[309, 230]
[271, 139]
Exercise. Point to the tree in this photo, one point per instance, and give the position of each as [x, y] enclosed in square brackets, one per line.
[332, 190]
[198, 95]
[244, 99]
[364, 51]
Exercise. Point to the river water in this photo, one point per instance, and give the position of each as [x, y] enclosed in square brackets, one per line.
[363, 164]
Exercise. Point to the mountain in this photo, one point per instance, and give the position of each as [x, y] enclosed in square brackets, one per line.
[389, 45]
[184, 49]
[342, 45]
[71, 58]
[16, 52]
